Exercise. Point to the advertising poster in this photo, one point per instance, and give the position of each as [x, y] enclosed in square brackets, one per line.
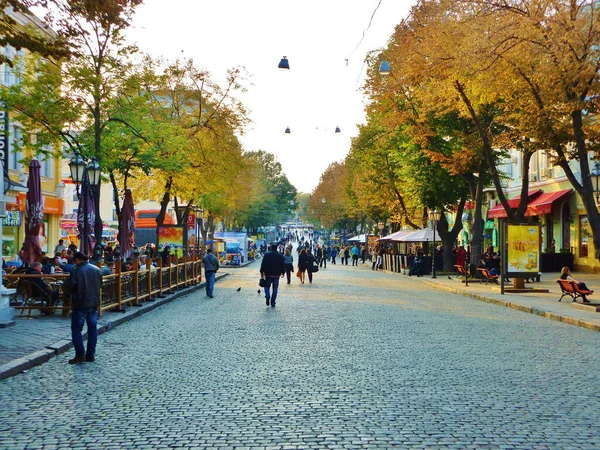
[523, 242]
[171, 235]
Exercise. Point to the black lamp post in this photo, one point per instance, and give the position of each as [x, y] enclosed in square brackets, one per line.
[434, 216]
[88, 175]
[596, 174]
[199, 212]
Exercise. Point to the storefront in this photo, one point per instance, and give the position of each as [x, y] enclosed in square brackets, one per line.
[13, 230]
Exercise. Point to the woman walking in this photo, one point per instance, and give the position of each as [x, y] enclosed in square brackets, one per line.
[289, 264]
[310, 265]
[302, 264]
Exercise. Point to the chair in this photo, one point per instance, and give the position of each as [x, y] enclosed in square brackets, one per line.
[487, 276]
[33, 297]
[460, 270]
[570, 288]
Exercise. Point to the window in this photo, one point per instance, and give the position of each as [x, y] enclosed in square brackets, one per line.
[47, 164]
[584, 236]
[15, 156]
[7, 72]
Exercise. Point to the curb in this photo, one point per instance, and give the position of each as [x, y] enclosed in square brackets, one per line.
[538, 312]
[39, 357]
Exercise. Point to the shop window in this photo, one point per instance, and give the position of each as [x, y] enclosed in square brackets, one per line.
[584, 236]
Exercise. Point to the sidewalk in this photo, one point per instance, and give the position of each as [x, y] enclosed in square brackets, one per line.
[36, 339]
[541, 304]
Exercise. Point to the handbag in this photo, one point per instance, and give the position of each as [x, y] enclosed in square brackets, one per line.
[298, 273]
[315, 268]
[262, 282]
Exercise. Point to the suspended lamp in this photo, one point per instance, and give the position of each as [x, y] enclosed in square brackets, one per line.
[284, 63]
[384, 68]
[337, 130]
[287, 130]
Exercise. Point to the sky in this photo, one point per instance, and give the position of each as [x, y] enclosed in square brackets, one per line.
[325, 41]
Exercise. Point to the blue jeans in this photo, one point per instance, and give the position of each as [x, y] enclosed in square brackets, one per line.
[78, 318]
[274, 281]
[210, 282]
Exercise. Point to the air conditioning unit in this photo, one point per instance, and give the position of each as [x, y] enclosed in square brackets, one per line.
[544, 172]
[533, 176]
[2, 208]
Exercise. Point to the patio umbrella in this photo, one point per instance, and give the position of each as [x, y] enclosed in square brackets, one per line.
[420, 236]
[91, 220]
[34, 212]
[127, 224]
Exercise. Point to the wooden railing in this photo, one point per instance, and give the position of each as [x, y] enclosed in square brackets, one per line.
[121, 289]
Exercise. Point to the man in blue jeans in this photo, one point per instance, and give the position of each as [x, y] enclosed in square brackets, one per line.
[211, 266]
[84, 283]
[271, 268]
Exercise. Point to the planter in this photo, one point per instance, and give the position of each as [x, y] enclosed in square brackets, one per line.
[563, 259]
[548, 262]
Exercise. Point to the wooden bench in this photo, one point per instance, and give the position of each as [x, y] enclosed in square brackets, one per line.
[570, 288]
[487, 276]
[460, 270]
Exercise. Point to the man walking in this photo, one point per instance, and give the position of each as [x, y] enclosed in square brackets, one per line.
[355, 252]
[84, 283]
[271, 268]
[211, 266]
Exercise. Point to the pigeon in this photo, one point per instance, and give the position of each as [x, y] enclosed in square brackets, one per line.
[449, 277]
[258, 292]
[239, 289]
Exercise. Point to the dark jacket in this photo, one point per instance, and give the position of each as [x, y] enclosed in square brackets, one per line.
[84, 283]
[273, 264]
[211, 263]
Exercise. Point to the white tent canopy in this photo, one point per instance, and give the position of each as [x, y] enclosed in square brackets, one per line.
[359, 238]
[395, 237]
[425, 235]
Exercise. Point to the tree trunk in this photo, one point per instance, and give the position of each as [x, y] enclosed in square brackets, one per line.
[160, 219]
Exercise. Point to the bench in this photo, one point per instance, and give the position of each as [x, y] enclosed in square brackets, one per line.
[570, 288]
[487, 276]
[460, 270]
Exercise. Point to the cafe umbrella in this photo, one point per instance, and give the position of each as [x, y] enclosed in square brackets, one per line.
[34, 212]
[127, 225]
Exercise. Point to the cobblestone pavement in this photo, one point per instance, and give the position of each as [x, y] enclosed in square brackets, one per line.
[359, 359]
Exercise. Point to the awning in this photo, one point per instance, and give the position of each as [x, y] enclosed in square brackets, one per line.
[543, 204]
[395, 236]
[539, 204]
[420, 236]
[498, 212]
[359, 238]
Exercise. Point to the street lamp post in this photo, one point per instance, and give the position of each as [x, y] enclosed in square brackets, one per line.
[199, 212]
[596, 174]
[434, 216]
[381, 226]
[88, 175]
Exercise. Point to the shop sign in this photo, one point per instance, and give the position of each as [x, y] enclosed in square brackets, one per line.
[12, 219]
[4, 134]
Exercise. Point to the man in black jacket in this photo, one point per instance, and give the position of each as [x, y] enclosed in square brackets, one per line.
[84, 283]
[271, 268]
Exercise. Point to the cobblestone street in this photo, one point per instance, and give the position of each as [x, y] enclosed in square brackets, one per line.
[359, 359]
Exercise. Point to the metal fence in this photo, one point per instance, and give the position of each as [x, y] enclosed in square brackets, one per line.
[143, 283]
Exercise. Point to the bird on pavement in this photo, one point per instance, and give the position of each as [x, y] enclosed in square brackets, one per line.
[258, 292]
[449, 277]
[239, 289]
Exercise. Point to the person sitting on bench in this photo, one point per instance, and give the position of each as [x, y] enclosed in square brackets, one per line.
[565, 274]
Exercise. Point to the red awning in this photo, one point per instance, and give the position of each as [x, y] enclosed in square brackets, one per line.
[539, 205]
[498, 212]
[543, 204]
